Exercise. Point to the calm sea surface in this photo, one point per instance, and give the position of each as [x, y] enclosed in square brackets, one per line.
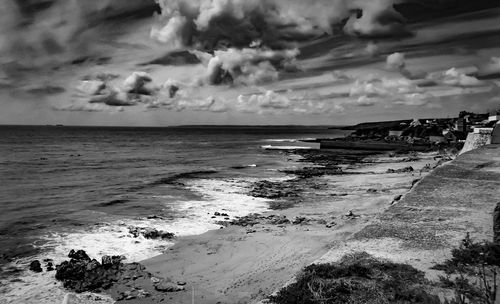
[64, 187]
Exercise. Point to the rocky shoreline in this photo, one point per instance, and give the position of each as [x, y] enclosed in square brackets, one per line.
[329, 197]
[312, 207]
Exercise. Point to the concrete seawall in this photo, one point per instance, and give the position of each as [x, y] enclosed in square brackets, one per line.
[475, 141]
[435, 216]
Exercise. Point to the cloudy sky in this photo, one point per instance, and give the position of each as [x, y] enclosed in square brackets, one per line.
[175, 62]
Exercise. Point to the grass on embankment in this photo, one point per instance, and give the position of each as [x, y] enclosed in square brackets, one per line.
[471, 276]
[357, 278]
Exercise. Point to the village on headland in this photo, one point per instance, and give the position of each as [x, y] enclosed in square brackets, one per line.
[467, 131]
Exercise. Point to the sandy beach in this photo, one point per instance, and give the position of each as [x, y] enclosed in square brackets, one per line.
[246, 264]
[408, 208]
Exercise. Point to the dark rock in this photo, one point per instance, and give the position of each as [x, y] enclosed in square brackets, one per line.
[216, 214]
[403, 170]
[168, 287]
[396, 199]
[249, 220]
[299, 220]
[50, 266]
[372, 190]
[274, 190]
[93, 265]
[155, 217]
[81, 275]
[414, 182]
[35, 266]
[78, 255]
[109, 261]
[150, 233]
[166, 235]
[279, 220]
[308, 172]
[172, 90]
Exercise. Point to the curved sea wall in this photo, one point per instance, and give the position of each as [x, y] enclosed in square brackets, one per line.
[476, 140]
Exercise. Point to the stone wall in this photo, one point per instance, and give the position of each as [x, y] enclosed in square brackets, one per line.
[475, 140]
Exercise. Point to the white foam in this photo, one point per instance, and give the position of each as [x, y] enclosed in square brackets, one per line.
[112, 239]
[224, 196]
[41, 288]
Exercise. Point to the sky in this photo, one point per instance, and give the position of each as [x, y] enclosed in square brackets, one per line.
[246, 62]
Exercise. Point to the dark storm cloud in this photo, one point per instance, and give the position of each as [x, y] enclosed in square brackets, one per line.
[215, 24]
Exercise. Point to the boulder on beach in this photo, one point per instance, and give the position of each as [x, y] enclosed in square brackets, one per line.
[150, 233]
[35, 266]
[81, 274]
[166, 286]
[274, 190]
[108, 261]
[78, 255]
[403, 170]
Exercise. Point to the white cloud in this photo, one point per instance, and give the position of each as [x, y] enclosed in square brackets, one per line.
[414, 99]
[365, 101]
[248, 66]
[396, 61]
[140, 83]
[91, 87]
[456, 77]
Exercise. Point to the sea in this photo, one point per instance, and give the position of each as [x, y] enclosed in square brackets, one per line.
[64, 187]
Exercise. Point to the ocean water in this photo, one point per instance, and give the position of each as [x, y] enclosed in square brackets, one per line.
[65, 188]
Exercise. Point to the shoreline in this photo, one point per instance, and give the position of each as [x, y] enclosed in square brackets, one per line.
[251, 257]
[246, 264]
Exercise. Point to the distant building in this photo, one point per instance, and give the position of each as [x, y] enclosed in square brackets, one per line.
[461, 125]
[480, 130]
